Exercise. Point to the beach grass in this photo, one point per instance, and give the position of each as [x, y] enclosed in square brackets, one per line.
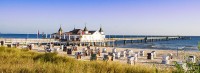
[25, 61]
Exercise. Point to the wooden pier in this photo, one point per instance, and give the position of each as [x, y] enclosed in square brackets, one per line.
[114, 41]
[25, 41]
[146, 39]
[106, 42]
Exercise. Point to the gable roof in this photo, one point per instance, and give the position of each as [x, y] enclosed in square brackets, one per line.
[75, 31]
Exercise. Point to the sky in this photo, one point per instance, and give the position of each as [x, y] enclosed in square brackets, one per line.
[121, 17]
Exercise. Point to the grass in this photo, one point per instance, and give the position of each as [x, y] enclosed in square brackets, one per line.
[191, 68]
[24, 61]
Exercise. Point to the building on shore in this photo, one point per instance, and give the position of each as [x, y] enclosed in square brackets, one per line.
[81, 37]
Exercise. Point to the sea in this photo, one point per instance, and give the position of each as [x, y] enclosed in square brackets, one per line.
[187, 45]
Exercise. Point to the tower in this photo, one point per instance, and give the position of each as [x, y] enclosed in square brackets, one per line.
[85, 30]
[101, 30]
[60, 32]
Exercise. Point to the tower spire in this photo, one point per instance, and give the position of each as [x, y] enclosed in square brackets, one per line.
[85, 29]
[60, 29]
[101, 30]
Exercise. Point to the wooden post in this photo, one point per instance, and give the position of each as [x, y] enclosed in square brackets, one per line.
[141, 41]
[124, 42]
[113, 43]
[167, 38]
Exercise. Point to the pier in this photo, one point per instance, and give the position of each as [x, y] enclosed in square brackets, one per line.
[113, 41]
[5, 41]
[105, 42]
[146, 39]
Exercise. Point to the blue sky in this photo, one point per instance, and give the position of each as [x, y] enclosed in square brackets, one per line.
[125, 17]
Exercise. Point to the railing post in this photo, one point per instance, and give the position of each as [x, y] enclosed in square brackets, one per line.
[124, 42]
[145, 39]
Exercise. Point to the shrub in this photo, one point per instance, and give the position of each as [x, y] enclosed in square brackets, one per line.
[191, 68]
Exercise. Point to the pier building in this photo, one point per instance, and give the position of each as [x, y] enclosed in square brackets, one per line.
[81, 36]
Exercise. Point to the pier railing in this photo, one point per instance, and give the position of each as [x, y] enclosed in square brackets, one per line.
[144, 38]
[20, 40]
[106, 40]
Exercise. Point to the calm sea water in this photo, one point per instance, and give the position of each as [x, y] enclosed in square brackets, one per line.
[172, 44]
[23, 35]
[189, 45]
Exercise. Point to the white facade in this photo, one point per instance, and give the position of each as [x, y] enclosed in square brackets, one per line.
[95, 37]
[81, 35]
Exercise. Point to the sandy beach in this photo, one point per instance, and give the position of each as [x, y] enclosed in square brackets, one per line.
[142, 60]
